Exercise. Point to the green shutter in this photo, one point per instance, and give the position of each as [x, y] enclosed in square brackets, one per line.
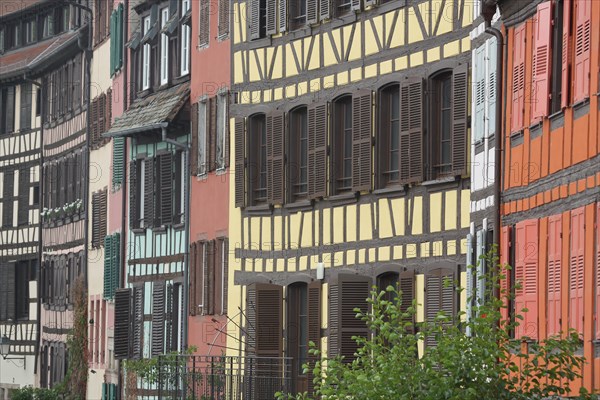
[119, 44]
[112, 43]
[107, 267]
[104, 391]
[116, 262]
[118, 170]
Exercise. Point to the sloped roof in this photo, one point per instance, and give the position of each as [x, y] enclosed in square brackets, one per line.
[157, 108]
[15, 6]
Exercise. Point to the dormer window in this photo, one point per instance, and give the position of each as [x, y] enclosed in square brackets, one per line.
[164, 48]
[48, 26]
[30, 31]
[185, 40]
[146, 57]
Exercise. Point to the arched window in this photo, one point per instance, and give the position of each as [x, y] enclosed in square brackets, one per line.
[298, 154]
[257, 166]
[342, 145]
[389, 136]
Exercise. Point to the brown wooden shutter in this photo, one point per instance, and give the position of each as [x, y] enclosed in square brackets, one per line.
[95, 221]
[209, 279]
[269, 320]
[70, 178]
[275, 157]
[362, 140]
[192, 286]
[8, 198]
[406, 285]
[354, 291]
[108, 111]
[211, 133]
[271, 13]
[101, 123]
[204, 28]
[218, 273]
[240, 162]
[122, 341]
[439, 297]
[103, 198]
[165, 165]
[223, 18]
[194, 149]
[460, 95]
[314, 325]
[23, 211]
[317, 150]
[10, 110]
[333, 342]
[149, 192]
[158, 318]
[138, 321]
[411, 130]
[226, 130]
[134, 211]
[62, 177]
[312, 11]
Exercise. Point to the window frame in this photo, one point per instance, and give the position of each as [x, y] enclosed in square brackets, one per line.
[202, 135]
[164, 48]
[146, 55]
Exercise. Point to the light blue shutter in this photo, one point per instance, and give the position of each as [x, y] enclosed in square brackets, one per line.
[479, 67]
[491, 84]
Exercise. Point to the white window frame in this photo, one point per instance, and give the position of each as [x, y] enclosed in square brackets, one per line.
[185, 6]
[221, 129]
[185, 49]
[202, 150]
[146, 57]
[164, 48]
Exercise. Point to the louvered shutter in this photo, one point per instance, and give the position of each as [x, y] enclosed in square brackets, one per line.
[174, 313]
[101, 123]
[317, 150]
[271, 16]
[225, 274]
[312, 10]
[406, 284]
[26, 94]
[325, 9]
[194, 149]
[460, 79]
[362, 139]
[223, 18]
[526, 255]
[597, 230]
[218, 272]
[254, 20]
[94, 122]
[107, 112]
[411, 130]
[479, 95]
[269, 320]
[581, 77]
[108, 267]
[209, 279]
[201, 262]
[541, 61]
[115, 262]
[554, 274]
[62, 181]
[518, 78]
[138, 322]
[122, 341]
[576, 268]
[355, 5]
[333, 342]
[192, 287]
[354, 291]
[283, 15]
[314, 325]
[23, 212]
[8, 198]
[275, 157]
[204, 28]
[10, 110]
[118, 163]
[158, 318]
[566, 54]
[250, 322]
[470, 282]
[440, 296]
[148, 192]
[70, 178]
[492, 82]
[211, 133]
[113, 38]
[165, 164]
[134, 216]
[226, 131]
[95, 220]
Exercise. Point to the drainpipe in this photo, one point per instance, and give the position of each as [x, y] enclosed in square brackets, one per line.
[186, 191]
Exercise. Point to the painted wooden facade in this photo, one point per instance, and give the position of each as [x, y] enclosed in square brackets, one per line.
[551, 170]
[362, 223]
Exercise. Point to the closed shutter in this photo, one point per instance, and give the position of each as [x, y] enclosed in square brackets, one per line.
[354, 291]
[460, 79]
[138, 322]
[192, 285]
[62, 181]
[94, 122]
[362, 140]
[218, 273]
[122, 323]
[411, 130]
[518, 78]
[23, 213]
[275, 157]
[134, 216]
[240, 162]
[312, 11]
[204, 28]
[108, 267]
[554, 274]
[165, 164]
[269, 320]
[211, 130]
[7, 285]
[95, 221]
[317, 150]
[10, 110]
[271, 12]
[225, 274]
[526, 276]
[576, 268]
[223, 18]
[254, 20]
[325, 9]
[70, 178]
[8, 198]
[283, 14]
[209, 279]
[440, 296]
[406, 284]
[581, 78]
[597, 315]
[148, 192]
[333, 342]
[541, 61]
[118, 165]
[196, 277]
[194, 149]
[26, 95]
[107, 112]
[566, 54]
[250, 323]
[101, 123]
[115, 262]
[479, 94]
[314, 325]
[173, 342]
[158, 318]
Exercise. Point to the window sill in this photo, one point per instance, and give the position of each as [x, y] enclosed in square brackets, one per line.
[343, 199]
[581, 108]
[138, 231]
[178, 226]
[391, 191]
[260, 209]
[299, 205]
[432, 182]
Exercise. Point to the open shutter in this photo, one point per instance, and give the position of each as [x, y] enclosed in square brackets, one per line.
[122, 323]
[354, 291]
[362, 140]
[118, 166]
[8, 198]
[566, 54]
[314, 325]
[581, 78]
[158, 318]
[226, 132]
[23, 213]
[113, 37]
[312, 10]
[439, 297]
[204, 27]
[10, 110]
[134, 215]
[518, 78]
[211, 133]
[165, 164]
[119, 39]
[271, 16]
[223, 18]
[192, 286]
[283, 14]
[406, 285]
[209, 279]
[250, 323]
[576, 269]
[478, 125]
[333, 342]
[138, 322]
[148, 192]
[541, 61]
[492, 92]
[597, 230]
[317, 150]
[554, 274]
[460, 79]
[411, 130]
[269, 320]
[275, 157]
[526, 274]
[194, 149]
[324, 10]
[355, 5]
[115, 262]
[254, 20]
[108, 267]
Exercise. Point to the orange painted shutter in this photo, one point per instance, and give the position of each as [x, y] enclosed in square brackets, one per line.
[518, 79]
[554, 276]
[541, 61]
[598, 272]
[581, 79]
[526, 274]
[566, 54]
[504, 257]
[576, 269]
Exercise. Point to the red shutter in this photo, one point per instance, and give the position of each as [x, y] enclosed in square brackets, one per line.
[527, 275]
[597, 272]
[581, 78]
[504, 258]
[518, 78]
[541, 61]
[566, 54]
[576, 269]
[554, 275]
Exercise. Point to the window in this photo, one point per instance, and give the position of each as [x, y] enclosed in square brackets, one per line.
[7, 106]
[389, 135]
[58, 276]
[404, 283]
[30, 31]
[557, 51]
[298, 154]
[223, 19]
[185, 49]
[63, 88]
[101, 108]
[202, 135]
[47, 26]
[342, 7]
[297, 13]
[442, 123]
[297, 332]
[342, 145]
[129, 322]
[222, 131]
[97, 331]
[146, 56]
[16, 42]
[164, 48]
[204, 23]
[257, 167]
[208, 277]
[99, 216]
[258, 15]
[26, 98]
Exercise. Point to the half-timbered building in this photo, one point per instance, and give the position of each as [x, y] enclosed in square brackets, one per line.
[350, 124]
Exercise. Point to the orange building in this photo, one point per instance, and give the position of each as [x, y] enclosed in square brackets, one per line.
[550, 207]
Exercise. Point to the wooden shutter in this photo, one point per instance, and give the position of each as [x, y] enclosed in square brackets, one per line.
[122, 341]
[518, 78]
[119, 38]
[460, 80]
[541, 61]
[283, 14]
[70, 178]
[411, 130]
[254, 20]
[209, 279]
[225, 274]
[197, 277]
[192, 285]
[158, 318]
[204, 28]
[118, 164]
[355, 5]
[324, 10]
[275, 157]
[478, 124]
[312, 10]
[314, 325]
[317, 150]
[362, 140]
[26, 94]
[23, 211]
[406, 284]
[269, 320]
[194, 149]
[113, 37]
[333, 342]
[108, 267]
[439, 297]
[137, 331]
[134, 212]
[250, 322]
[576, 268]
[554, 274]
[218, 273]
[354, 291]
[211, 134]
[148, 192]
[115, 262]
[174, 320]
[581, 78]
[597, 230]
[271, 16]
[526, 274]
[8, 198]
[10, 110]
[165, 164]
[107, 112]
[223, 18]
[566, 54]
[7, 294]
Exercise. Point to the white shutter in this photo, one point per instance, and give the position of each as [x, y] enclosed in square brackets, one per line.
[491, 86]
[469, 281]
[479, 95]
[480, 267]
